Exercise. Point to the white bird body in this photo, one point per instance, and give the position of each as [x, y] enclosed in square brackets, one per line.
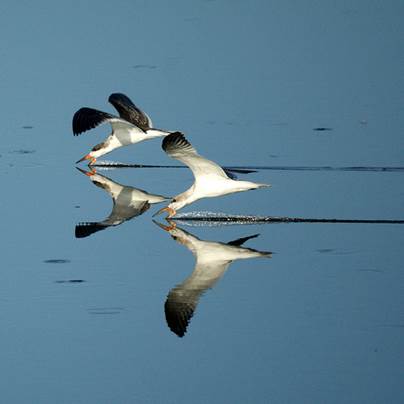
[210, 179]
[213, 185]
[210, 186]
[132, 126]
[124, 134]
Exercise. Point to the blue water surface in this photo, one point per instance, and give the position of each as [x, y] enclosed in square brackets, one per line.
[84, 319]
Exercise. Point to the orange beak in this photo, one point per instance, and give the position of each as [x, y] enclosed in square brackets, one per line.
[87, 157]
[172, 225]
[88, 173]
[171, 212]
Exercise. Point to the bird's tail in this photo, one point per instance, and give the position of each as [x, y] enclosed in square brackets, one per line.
[248, 185]
[158, 198]
[157, 132]
[258, 185]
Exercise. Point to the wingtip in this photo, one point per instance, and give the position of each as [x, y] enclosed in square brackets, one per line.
[86, 118]
[113, 96]
[85, 229]
[75, 119]
[240, 241]
[120, 98]
[174, 139]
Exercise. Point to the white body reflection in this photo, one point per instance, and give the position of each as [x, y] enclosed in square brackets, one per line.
[212, 261]
[128, 202]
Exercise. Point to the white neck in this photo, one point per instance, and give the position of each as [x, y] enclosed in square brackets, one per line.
[157, 132]
[111, 143]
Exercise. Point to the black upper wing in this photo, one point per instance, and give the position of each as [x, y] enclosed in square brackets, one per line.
[88, 118]
[176, 142]
[83, 230]
[129, 111]
[178, 313]
[178, 147]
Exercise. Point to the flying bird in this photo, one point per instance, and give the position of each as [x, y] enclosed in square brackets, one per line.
[128, 203]
[210, 179]
[212, 261]
[132, 126]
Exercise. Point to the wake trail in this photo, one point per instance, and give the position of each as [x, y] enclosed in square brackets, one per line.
[218, 219]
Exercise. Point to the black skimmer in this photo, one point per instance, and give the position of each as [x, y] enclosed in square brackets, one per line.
[128, 203]
[132, 126]
[212, 261]
[210, 179]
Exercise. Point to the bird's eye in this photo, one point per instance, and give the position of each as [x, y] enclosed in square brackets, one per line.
[98, 147]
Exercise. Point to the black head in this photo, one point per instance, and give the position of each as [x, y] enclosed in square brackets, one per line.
[98, 146]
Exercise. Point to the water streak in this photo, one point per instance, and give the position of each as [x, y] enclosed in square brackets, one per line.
[218, 219]
[112, 165]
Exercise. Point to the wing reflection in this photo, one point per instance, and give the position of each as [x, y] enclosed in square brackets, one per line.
[212, 260]
[128, 202]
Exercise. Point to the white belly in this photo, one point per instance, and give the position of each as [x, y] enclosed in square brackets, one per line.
[211, 186]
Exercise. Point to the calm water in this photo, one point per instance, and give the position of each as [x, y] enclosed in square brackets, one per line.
[117, 311]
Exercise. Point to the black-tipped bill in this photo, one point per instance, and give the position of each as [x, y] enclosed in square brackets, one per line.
[160, 211]
[82, 171]
[86, 157]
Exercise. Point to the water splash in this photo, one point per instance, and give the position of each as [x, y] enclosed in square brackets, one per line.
[206, 218]
[106, 165]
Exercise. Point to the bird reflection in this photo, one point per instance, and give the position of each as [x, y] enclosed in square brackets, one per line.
[128, 202]
[212, 261]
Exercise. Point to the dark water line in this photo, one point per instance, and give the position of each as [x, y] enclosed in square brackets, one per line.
[274, 219]
[274, 168]
[124, 165]
[327, 168]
